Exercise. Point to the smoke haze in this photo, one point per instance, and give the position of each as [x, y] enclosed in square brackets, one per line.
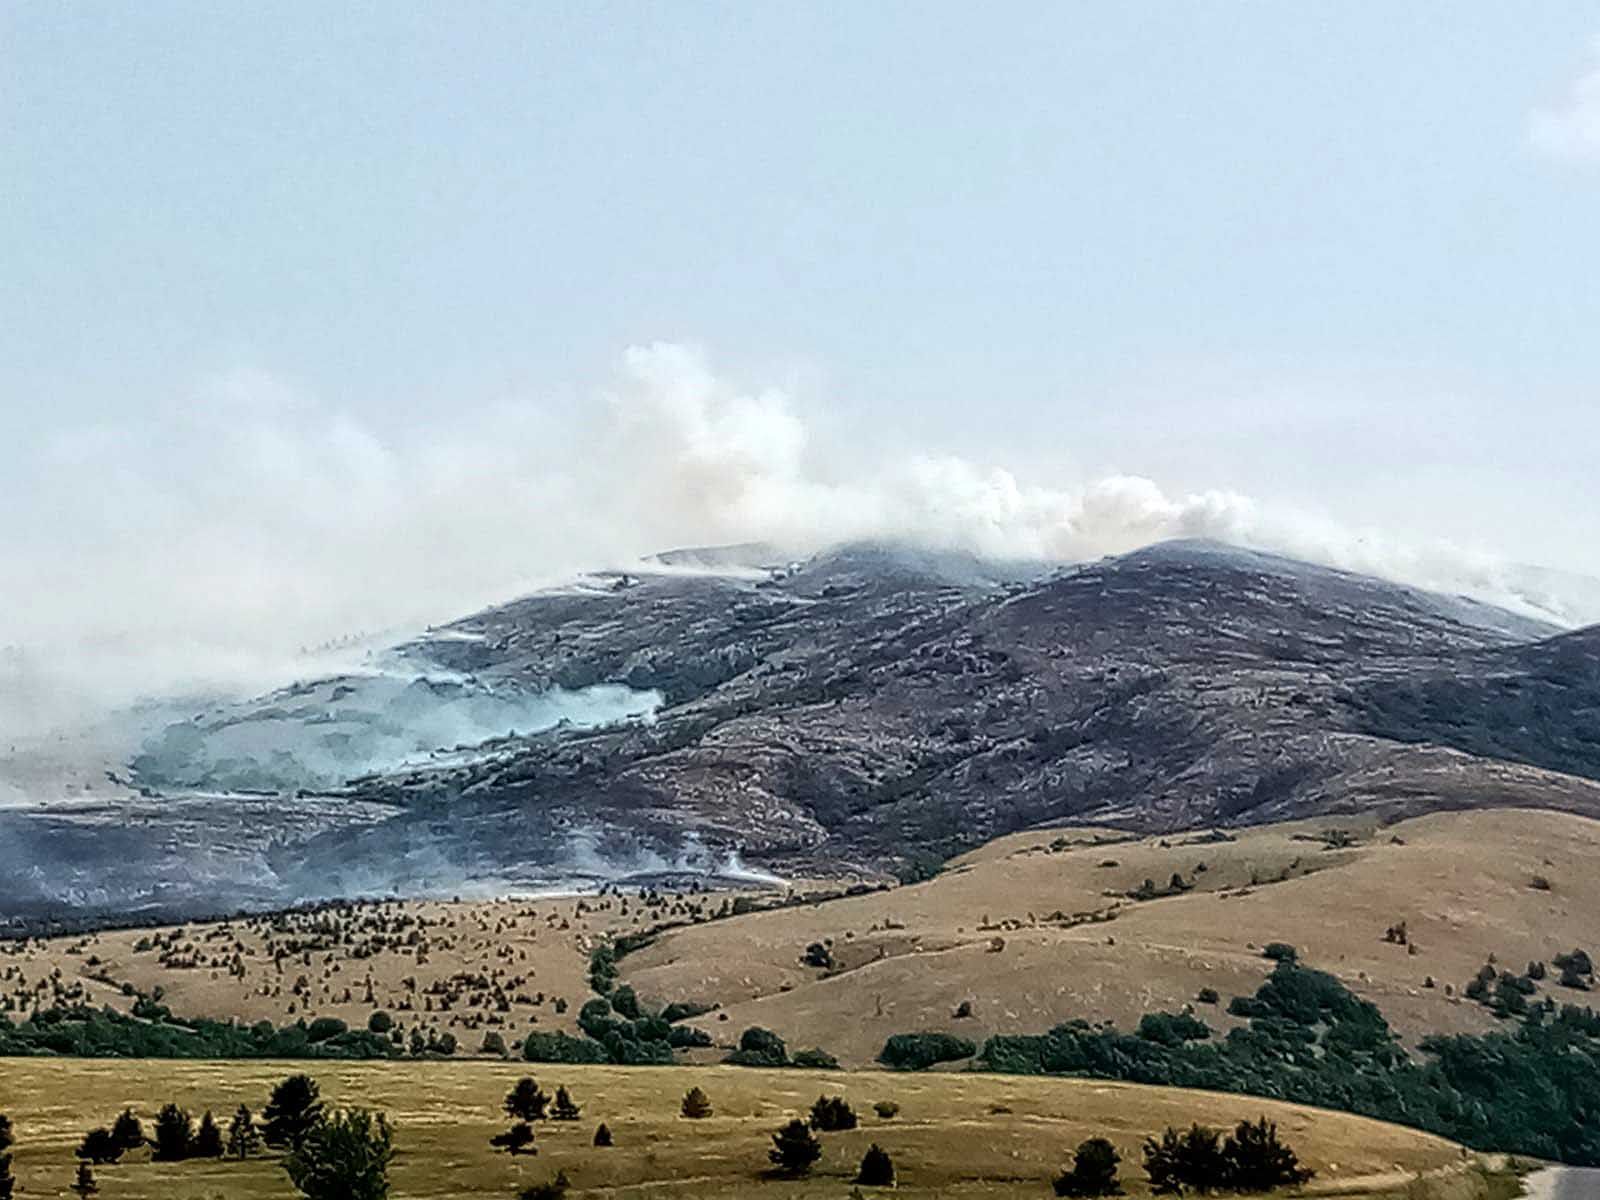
[254, 534]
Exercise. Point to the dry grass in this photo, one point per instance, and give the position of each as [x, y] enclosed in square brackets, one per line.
[950, 1138]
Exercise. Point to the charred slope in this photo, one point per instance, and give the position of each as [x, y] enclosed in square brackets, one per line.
[869, 709]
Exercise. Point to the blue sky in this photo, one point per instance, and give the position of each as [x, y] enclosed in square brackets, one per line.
[1339, 259]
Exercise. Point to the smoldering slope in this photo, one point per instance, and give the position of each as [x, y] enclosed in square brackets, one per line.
[252, 535]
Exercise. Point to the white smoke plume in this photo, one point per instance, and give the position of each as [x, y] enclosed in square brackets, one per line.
[207, 548]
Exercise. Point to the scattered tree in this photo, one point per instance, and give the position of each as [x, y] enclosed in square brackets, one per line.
[602, 1136]
[564, 1109]
[877, 1168]
[1093, 1171]
[1190, 1161]
[174, 1135]
[1258, 1162]
[345, 1156]
[208, 1140]
[84, 1184]
[243, 1139]
[696, 1104]
[8, 1181]
[887, 1109]
[127, 1130]
[516, 1140]
[291, 1113]
[526, 1101]
[795, 1149]
[831, 1114]
[99, 1147]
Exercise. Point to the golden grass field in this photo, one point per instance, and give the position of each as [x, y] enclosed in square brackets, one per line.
[956, 1134]
[906, 958]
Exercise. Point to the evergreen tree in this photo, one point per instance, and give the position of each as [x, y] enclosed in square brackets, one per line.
[127, 1130]
[602, 1136]
[1093, 1173]
[84, 1184]
[208, 1141]
[8, 1181]
[1191, 1161]
[696, 1104]
[99, 1146]
[516, 1140]
[243, 1139]
[174, 1135]
[345, 1156]
[526, 1101]
[564, 1109]
[295, 1107]
[877, 1168]
[1258, 1162]
[795, 1149]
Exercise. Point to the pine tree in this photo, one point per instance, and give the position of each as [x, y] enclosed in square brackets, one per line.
[291, 1113]
[174, 1135]
[696, 1104]
[526, 1101]
[85, 1185]
[795, 1149]
[99, 1147]
[243, 1139]
[602, 1136]
[8, 1181]
[564, 1109]
[877, 1168]
[516, 1140]
[127, 1130]
[208, 1141]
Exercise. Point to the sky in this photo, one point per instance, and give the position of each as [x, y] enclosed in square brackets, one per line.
[319, 319]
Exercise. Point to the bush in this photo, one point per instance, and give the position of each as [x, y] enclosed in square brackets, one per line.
[682, 1010]
[324, 1028]
[816, 1059]
[1207, 995]
[1191, 1161]
[625, 1002]
[602, 1136]
[562, 1048]
[1258, 1162]
[886, 1109]
[1280, 952]
[1093, 1172]
[379, 1022]
[832, 1114]
[759, 1048]
[877, 1168]
[919, 1051]
[344, 1157]
[795, 1149]
[99, 1147]
[493, 1043]
[516, 1140]
[564, 1109]
[683, 1037]
[1172, 1029]
[696, 1104]
[555, 1189]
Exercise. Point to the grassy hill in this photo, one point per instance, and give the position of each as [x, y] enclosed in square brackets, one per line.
[955, 1135]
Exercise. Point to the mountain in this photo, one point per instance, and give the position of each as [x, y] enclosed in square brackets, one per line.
[871, 709]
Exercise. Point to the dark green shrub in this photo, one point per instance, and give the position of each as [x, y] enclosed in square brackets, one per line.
[1280, 952]
[759, 1048]
[324, 1028]
[831, 1114]
[174, 1135]
[295, 1106]
[1258, 1162]
[1191, 1161]
[345, 1156]
[100, 1146]
[1172, 1029]
[795, 1149]
[526, 1101]
[127, 1130]
[816, 1060]
[1093, 1171]
[877, 1168]
[919, 1051]
[696, 1104]
[208, 1139]
[516, 1140]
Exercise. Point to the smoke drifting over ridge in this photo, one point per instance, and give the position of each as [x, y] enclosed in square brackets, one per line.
[207, 549]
